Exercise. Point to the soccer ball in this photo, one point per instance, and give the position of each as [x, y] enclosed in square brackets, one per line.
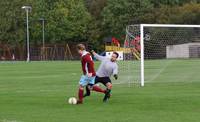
[72, 100]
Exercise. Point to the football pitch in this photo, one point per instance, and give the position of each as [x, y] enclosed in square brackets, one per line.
[38, 92]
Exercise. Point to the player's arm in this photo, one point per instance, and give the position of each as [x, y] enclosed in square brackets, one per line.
[97, 56]
[115, 72]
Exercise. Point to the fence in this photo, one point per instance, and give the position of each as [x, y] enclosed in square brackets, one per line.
[37, 53]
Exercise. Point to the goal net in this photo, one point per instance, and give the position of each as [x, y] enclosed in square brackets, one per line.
[160, 53]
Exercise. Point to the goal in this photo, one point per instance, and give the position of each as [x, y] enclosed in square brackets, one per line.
[159, 53]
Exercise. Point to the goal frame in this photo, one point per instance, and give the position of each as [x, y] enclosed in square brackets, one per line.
[142, 26]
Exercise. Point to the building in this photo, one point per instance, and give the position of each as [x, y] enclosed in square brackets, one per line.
[187, 50]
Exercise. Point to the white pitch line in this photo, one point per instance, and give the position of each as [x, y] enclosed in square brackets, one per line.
[6, 120]
[161, 70]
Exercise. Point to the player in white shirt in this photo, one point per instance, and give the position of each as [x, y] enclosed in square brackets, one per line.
[107, 68]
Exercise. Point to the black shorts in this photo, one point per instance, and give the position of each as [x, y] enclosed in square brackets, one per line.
[103, 80]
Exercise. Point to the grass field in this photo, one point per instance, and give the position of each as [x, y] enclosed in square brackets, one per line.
[37, 92]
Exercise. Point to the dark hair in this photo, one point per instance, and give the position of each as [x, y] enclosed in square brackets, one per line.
[116, 54]
[80, 46]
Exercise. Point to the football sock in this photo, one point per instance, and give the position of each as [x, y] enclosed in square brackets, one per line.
[108, 92]
[98, 89]
[107, 95]
[80, 95]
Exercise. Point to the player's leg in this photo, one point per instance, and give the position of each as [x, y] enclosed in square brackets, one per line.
[87, 91]
[108, 89]
[98, 88]
[80, 95]
[82, 83]
[95, 87]
[89, 87]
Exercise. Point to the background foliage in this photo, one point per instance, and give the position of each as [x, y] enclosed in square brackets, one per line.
[89, 20]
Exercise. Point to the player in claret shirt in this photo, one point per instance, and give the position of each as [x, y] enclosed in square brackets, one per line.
[88, 77]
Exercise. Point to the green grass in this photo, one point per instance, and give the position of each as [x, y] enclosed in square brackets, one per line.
[38, 91]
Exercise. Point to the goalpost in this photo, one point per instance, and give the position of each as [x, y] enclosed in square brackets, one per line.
[149, 49]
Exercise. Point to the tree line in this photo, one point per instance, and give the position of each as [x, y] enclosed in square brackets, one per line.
[88, 20]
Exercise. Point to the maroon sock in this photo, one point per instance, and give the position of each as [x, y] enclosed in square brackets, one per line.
[98, 89]
[80, 95]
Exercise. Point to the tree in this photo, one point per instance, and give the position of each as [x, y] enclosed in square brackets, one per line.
[11, 22]
[186, 14]
[159, 3]
[95, 31]
[65, 20]
[120, 13]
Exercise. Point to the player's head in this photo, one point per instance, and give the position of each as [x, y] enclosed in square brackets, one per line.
[80, 48]
[114, 56]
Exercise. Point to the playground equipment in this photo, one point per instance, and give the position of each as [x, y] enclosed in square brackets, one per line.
[5, 52]
[50, 52]
[56, 52]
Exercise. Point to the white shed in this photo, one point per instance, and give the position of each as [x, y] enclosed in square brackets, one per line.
[187, 50]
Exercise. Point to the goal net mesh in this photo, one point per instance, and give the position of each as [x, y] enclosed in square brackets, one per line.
[168, 53]
[129, 67]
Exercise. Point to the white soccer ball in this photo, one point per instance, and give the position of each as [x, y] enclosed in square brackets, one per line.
[72, 100]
